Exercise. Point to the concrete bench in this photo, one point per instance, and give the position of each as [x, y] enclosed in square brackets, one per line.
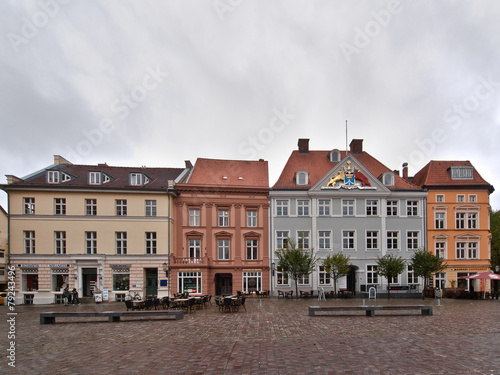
[113, 316]
[369, 310]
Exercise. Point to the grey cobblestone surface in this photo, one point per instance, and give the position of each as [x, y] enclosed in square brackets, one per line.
[277, 337]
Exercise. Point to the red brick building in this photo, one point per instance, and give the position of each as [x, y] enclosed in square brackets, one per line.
[221, 232]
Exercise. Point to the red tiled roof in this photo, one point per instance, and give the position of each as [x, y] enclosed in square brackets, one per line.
[317, 164]
[119, 176]
[230, 173]
[437, 173]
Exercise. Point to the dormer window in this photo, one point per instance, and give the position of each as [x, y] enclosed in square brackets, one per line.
[461, 172]
[388, 179]
[302, 178]
[53, 177]
[335, 156]
[138, 179]
[94, 178]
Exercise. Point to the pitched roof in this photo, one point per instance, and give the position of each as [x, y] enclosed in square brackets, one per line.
[242, 173]
[317, 164]
[437, 174]
[119, 177]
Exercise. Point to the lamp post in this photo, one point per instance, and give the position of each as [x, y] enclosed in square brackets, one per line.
[166, 269]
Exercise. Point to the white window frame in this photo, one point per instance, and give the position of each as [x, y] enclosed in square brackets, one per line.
[223, 217]
[95, 178]
[90, 207]
[29, 241]
[302, 178]
[252, 218]
[252, 249]
[392, 207]
[302, 207]
[472, 198]
[348, 207]
[303, 239]
[121, 207]
[324, 207]
[60, 206]
[247, 277]
[282, 278]
[281, 207]
[439, 220]
[90, 242]
[461, 198]
[150, 205]
[391, 239]
[371, 207]
[351, 237]
[194, 249]
[136, 179]
[439, 198]
[371, 272]
[371, 237]
[59, 242]
[151, 243]
[223, 249]
[53, 177]
[282, 239]
[324, 278]
[324, 240]
[190, 275]
[440, 249]
[121, 243]
[412, 208]
[29, 206]
[194, 217]
[410, 275]
[415, 240]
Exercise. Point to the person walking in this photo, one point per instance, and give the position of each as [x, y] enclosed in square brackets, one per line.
[74, 294]
[66, 296]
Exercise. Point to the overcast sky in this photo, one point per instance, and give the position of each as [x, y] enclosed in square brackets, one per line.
[155, 83]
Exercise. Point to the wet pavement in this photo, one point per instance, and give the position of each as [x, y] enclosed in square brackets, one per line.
[274, 336]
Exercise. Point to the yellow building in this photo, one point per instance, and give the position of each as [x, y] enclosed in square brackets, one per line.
[95, 228]
[3, 248]
[458, 221]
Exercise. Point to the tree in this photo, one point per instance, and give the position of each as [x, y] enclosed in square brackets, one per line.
[390, 266]
[337, 265]
[425, 264]
[495, 241]
[296, 261]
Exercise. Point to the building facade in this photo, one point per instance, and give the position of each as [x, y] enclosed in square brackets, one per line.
[346, 201]
[458, 220]
[3, 248]
[221, 233]
[96, 228]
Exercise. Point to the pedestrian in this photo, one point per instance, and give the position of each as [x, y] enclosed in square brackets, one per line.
[74, 293]
[66, 296]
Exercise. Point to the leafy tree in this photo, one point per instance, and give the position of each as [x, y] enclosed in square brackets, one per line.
[495, 241]
[425, 264]
[296, 261]
[390, 266]
[337, 265]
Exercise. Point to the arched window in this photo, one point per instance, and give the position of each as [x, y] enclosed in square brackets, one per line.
[335, 156]
[388, 179]
[302, 178]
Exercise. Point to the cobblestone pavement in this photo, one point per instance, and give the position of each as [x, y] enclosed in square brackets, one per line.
[274, 336]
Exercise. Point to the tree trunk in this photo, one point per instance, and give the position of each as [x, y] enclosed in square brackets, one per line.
[334, 288]
[388, 291]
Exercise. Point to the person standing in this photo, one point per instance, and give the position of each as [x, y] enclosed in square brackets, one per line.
[66, 296]
[74, 294]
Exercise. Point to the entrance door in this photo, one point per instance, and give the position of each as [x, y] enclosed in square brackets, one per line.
[351, 279]
[151, 281]
[89, 280]
[223, 284]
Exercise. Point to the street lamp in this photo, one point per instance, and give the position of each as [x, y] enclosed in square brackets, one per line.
[273, 267]
[165, 269]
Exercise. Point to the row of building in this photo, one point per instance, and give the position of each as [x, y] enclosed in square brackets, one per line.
[213, 228]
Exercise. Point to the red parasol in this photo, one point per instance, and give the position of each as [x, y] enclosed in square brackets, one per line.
[488, 275]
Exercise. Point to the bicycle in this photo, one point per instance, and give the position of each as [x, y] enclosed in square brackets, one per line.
[135, 296]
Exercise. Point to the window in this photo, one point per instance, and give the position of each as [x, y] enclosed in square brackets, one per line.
[136, 179]
[348, 240]
[223, 218]
[281, 277]
[94, 178]
[392, 208]
[371, 208]
[347, 207]
[472, 250]
[412, 277]
[441, 249]
[439, 220]
[194, 217]
[150, 207]
[392, 240]
[91, 242]
[60, 242]
[460, 250]
[121, 279]
[440, 280]
[324, 207]
[461, 172]
[252, 246]
[59, 278]
[303, 239]
[324, 240]
[324, 277]
[282, 239]
[303, 280]
[29, 242]
[388, 179]
[460, 198]
[251, 218]
[194, 248]
[303, 208]
[189, 282]
[460, 220]
[302, 178]
[282, 208]
[412, 208]
[121, 243]
[394, 280]
[91, 207]
[472, 221]
[223, 249]
[372, 240]
[150, 242]
[121, 207]
[371, 275]
[252, 281]
[412, 237]
[53, 177]
[29, 206]
[334, 155]
[60, 206]
[472, 198]
[439, 198]
[29, 280]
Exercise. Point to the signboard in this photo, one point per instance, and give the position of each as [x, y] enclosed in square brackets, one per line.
[105, 294]
[438, 293]
[372, 293]
[164, 282]
[98, 297]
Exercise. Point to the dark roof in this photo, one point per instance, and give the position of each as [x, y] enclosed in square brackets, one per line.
[437, 174]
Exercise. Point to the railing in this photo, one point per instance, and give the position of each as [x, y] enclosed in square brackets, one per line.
[179, 260]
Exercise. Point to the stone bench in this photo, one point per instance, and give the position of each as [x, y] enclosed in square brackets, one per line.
[113, 316]
[370, 310]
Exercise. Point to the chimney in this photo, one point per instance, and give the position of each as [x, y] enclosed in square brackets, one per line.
[405, 171]
[396, 172]
[303, 146]
[356, 146]
[188, 164]
[58, 159]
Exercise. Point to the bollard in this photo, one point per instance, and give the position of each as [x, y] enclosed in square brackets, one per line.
[260, 302]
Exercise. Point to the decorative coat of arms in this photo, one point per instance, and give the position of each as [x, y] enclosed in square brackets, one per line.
[349, 178]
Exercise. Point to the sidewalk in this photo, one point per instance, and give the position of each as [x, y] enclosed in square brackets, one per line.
[274, 336]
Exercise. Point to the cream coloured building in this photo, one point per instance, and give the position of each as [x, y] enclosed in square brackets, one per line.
[3, 248]
[96, 228]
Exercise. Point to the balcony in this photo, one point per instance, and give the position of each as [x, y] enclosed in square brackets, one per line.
[187, 260]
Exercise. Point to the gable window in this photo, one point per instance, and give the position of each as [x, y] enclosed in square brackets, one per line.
[303, 208]
[94, 178]
[302, 178]
[194, 217]
[29, 206]
[60, 242]
[392, 208]
[91, 242]
[150, 242]
[60, 206]
[347, 207]
[224, 218]
[150, 207]
[252, 247]
[412, 208]
[251, 218]
[91, 207]
[135, 179]
[372, 240]
[282, 208]
[371, 208]
[324, 207]
[53, 177]
[348, 240]
[121, 207]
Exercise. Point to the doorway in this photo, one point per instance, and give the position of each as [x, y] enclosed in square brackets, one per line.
[223, 284]
[89, 280]
[151, 281]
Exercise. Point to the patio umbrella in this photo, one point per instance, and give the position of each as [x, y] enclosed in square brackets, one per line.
[488, 275]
